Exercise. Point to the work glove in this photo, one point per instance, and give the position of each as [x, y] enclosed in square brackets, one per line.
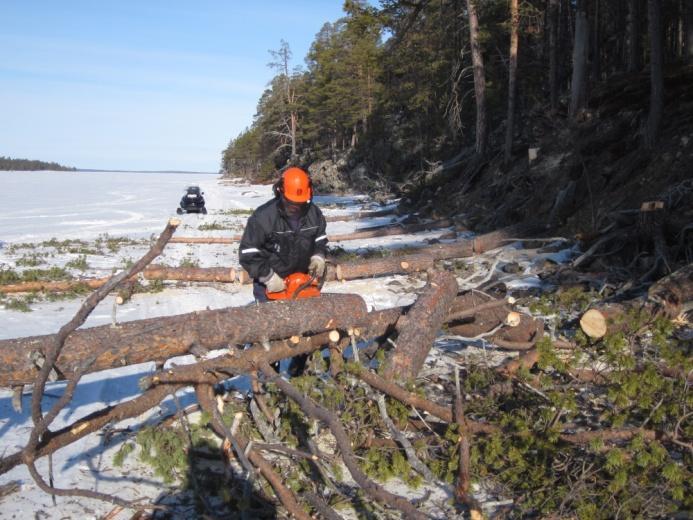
[274, 282]
[317, 266]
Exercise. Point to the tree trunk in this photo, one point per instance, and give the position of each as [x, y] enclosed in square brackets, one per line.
[512, 76]
[68, 285]
[596, 44]
[578, 95]
[633, 33]
[190, 274]
[667, 297]
[421, 326]
[157, 339]
[654, 120]
[553, 53]
[380, 266]
[359, 234]
[689, 32]
[479, 78]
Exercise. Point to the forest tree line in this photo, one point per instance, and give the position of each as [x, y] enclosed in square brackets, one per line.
[406, 84]
[9, 164]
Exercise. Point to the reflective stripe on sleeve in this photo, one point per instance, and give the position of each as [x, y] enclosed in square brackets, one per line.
[321, 237]
[250, 250]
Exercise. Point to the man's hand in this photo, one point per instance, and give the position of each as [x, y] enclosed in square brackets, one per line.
[317, 266]
[275, 283]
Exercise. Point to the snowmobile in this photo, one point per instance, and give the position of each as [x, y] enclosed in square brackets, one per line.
[192, 202]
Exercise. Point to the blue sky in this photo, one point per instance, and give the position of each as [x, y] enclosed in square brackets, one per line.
[149, 84]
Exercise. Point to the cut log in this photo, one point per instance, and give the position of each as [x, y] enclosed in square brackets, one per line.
[668, 297]
[390, 231]
[379, 267]
[191, 274]
[420, 261]
[360, 214]
[356, 235]
[158, 339]
[59, 286]
[593, 323]
[423, 322]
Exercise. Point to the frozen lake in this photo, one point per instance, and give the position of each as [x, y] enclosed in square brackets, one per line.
[40, 205]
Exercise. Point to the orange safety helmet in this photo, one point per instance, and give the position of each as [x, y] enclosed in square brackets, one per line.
[296, 185]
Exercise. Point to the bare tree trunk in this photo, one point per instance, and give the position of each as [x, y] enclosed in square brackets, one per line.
[578, 96]
[634, 51]
[596, 45]
[512, 76]
[689, 32]
[479, 78]
[553, 53]
[418, 329]
[654, 120]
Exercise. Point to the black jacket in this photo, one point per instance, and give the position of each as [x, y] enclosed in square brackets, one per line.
[269, 243]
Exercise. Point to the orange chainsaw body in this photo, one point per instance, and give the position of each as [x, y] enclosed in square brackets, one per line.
[293, 283]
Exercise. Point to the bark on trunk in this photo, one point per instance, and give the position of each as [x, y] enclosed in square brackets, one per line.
[479, 78]
[512, 76]
[689, 32]
[633, 33]
[422, 324]
[553, 53]
[654, 23]
[596, 43]
[191, 274]
[68, 285]
[158, 339]
[578, 95]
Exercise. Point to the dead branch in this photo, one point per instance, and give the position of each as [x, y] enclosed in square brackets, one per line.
[42, 422]
[374, 489]
[205, 395]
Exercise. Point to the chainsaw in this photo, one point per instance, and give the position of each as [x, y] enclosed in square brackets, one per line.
[298, 285]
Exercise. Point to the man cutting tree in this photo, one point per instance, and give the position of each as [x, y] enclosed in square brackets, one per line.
[284, 236]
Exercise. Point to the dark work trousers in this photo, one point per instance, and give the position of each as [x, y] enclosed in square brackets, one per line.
[298, 363]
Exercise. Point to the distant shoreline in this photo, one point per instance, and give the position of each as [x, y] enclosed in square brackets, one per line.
[93, 170]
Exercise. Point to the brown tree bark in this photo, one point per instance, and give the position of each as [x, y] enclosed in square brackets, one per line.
[190, 274]
[421, 326]
[64, 286]
[158, 339]
[578, 94]
[479, 78]
[512, 76]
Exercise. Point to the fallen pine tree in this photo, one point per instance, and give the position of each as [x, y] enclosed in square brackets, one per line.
[506, 418]
[349, 270]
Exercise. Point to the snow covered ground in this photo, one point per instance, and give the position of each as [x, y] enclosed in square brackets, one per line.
[44, 209]
[94, 223]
